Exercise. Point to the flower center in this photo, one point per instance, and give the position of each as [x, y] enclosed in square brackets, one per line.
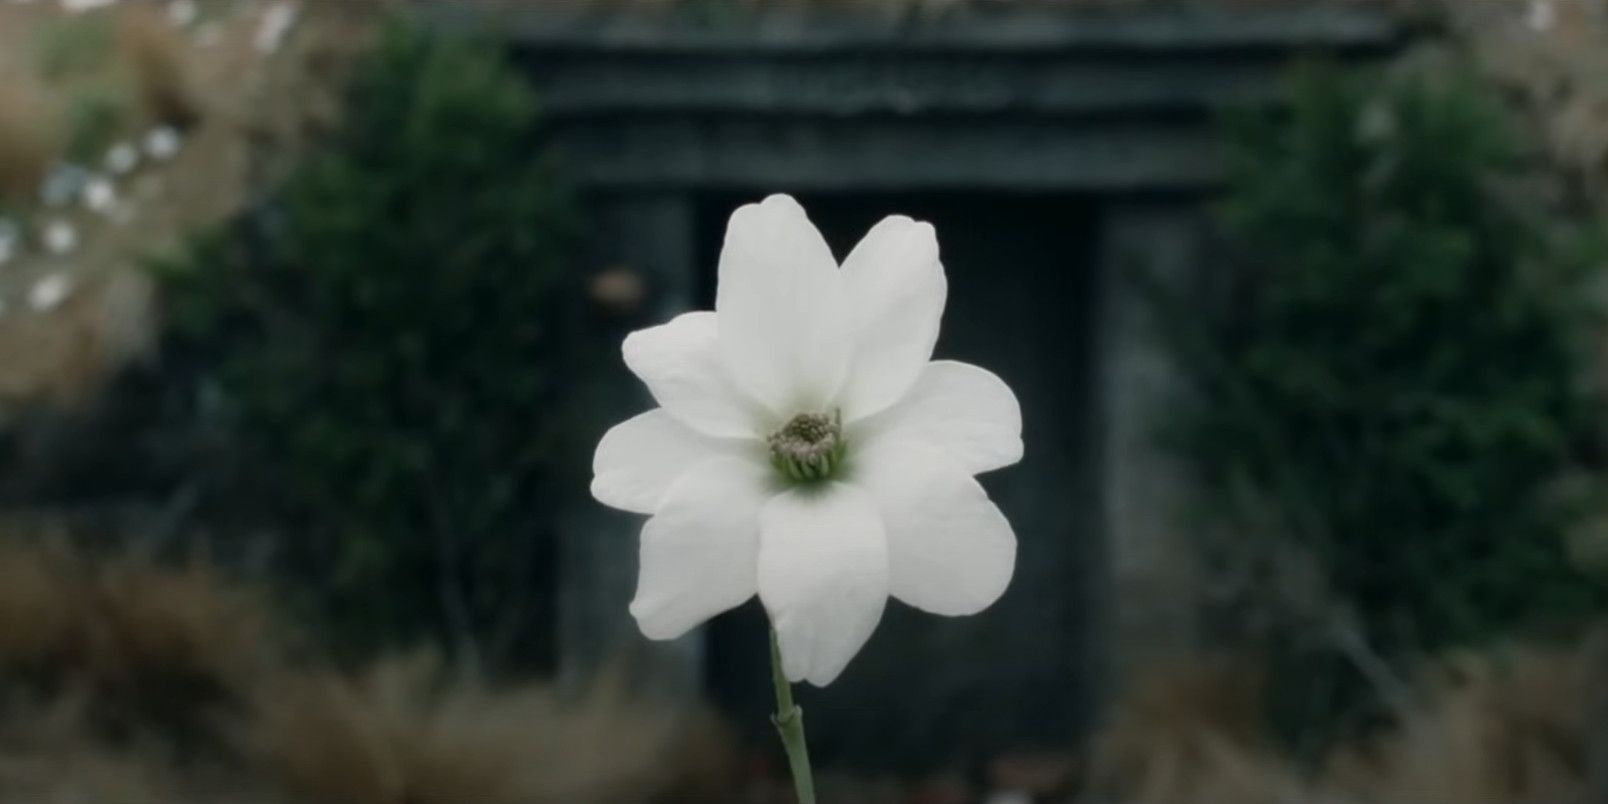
[809, 447]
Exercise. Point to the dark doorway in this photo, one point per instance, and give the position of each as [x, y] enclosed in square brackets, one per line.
[931, 691]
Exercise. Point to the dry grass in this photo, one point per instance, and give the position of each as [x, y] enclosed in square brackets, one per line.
[1507, 726]
[1191, 734]
[55, 752]
[125, 680]
[409, 731]
[38, 606]
[174, 639]
[147, 647]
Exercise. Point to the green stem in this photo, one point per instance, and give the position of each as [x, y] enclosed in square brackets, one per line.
[789, 720]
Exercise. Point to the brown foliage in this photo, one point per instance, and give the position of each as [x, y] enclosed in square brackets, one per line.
[1506, 726]
[1191, 733]
[62, 357]
[408, 730]
[154, 55]
[123, 679]
[29, 139]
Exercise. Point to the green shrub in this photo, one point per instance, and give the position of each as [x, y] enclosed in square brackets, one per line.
[75, 45]
[96, 112]
[380, 342]
[1395, 379]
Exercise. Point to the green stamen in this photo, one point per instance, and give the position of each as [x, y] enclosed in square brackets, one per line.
[808, 448]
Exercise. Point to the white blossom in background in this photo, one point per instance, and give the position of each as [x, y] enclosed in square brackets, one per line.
[275, 26]
[208, 34]
[183, 13]
[1541, 16]
[61, 237]
[122, 159]
[80, 6]
[49, 292]
[63, 184]
[100, 195]
[163, 143]
[808, 450]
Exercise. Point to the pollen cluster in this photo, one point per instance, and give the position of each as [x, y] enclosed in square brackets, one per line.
[808, 448]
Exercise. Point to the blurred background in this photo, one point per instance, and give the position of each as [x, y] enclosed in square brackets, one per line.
[310, 314]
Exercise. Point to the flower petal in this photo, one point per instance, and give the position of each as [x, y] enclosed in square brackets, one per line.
[895, 287]
[950, 550]
[966, 412]
[779, 301]
[700, 551]
[823, 577]
[640, 458]
[680, 363]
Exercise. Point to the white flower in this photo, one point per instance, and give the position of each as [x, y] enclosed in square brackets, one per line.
[122, 158]
[182, 12]
[1542, 15]
[80, 6]
[61, 237]
[100, 195]
[275, 25]
[50, 291]
[805, 449]
[163, 142]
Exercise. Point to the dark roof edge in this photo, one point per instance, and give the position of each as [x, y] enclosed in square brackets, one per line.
[977, 27]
